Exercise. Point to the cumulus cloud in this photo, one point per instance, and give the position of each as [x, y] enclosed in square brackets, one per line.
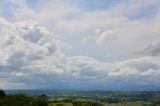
[71, 22]
[28, 47]
[30, 52]
[81, 66]
[103, 37]
[100, 38]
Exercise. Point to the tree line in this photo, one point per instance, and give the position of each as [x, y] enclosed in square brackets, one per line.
[22, 100]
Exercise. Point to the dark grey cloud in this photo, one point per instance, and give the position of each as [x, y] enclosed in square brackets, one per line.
[152, 49]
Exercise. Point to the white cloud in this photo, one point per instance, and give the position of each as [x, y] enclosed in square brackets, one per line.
[103, 37]
[10, 84]
[88, 39]
[124, 72]
[30, 51]
[28, 46]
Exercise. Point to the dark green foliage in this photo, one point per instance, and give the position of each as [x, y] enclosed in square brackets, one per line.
[41, 100]
[155, 102]
[94, 98]
[23, 100]
[2, 93]
[112, 100]
[16, 100]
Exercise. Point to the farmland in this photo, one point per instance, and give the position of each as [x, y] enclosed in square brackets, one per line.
[79, 98]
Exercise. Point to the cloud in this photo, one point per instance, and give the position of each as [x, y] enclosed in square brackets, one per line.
[100, 38]
[88, 38]
[153, 49]
[103, 37]
[6, 84]
[32, 54]
[28, 47]
[125, 71]
[82, 67]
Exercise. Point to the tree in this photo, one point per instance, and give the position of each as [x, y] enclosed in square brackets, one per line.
[2, 93]
[41, 100]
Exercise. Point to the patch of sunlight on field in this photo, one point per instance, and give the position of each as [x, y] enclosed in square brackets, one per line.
[65, 104]
[127, 104]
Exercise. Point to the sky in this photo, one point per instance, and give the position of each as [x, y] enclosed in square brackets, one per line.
[80, 44]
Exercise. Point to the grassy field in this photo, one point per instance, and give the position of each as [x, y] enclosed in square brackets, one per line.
[66, 104]
[127, 104]
[112, 104]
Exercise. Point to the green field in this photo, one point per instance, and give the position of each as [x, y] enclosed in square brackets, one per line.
[112, 104]
[82, 98]
[127, 104]
[65, 104]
